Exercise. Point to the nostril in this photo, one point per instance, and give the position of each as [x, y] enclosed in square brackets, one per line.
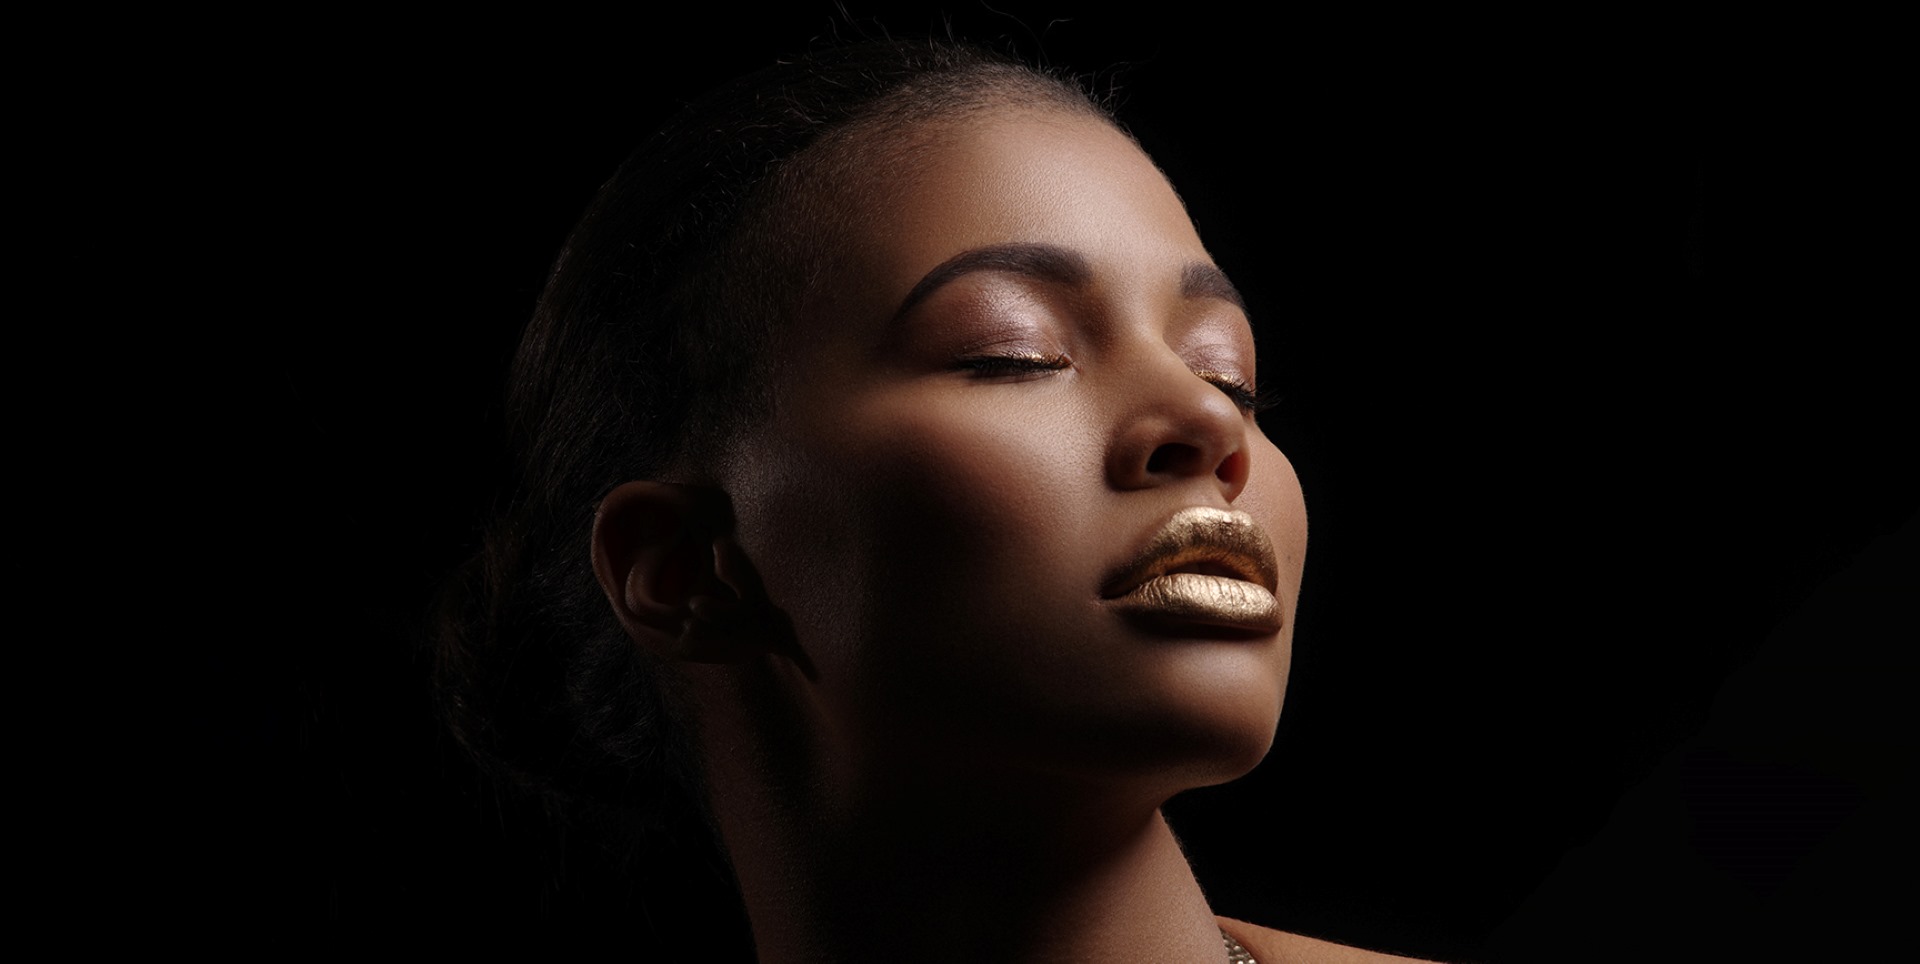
[1172, 458]
[1233, 469]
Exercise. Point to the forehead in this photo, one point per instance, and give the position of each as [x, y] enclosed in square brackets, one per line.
[1022, 175]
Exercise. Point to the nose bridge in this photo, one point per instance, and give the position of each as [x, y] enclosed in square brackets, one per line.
[1176, 427]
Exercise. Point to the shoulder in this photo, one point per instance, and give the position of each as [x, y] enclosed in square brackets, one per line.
[1270, 946]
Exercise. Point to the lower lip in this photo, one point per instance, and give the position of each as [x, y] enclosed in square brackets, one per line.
[1194, 599]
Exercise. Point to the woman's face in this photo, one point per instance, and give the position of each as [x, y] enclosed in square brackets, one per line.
[1011, 401]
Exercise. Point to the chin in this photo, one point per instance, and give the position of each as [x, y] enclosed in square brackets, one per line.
[1232, 731]
[1186, 742]
[1228, 749]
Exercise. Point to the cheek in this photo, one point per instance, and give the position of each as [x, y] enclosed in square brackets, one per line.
[978, 544]
[910, 510]
[965, 497]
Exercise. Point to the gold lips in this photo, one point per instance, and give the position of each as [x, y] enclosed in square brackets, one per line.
[1209, 566]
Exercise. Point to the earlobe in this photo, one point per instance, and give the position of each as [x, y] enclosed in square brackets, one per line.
[666, 559]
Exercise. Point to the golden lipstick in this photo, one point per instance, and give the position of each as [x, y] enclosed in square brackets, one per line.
[1205, 566]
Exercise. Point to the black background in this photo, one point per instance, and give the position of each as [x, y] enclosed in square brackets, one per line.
[1583, 355]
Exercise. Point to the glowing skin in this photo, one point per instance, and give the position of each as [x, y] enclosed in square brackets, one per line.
[1020, 366]
[1032, 562]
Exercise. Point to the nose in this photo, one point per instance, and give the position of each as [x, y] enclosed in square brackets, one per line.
[1178, 428]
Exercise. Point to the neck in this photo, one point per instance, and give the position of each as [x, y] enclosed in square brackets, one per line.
[950, 868]
[940, 892]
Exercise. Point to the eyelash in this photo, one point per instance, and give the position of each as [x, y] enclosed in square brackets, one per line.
[992, 365]
[1244, 395]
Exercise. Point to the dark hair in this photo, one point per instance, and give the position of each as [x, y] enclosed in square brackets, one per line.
[655, 338]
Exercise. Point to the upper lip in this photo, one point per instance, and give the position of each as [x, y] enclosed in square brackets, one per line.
[1201, 539]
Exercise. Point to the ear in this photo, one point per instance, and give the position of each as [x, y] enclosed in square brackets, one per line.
[665, 557]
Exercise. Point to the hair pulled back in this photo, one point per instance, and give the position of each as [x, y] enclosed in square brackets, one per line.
[652, 342]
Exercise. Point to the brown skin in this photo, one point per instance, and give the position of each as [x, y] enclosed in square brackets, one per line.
[926, 734]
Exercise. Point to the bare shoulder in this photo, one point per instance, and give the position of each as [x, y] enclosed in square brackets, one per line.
[1270, 946]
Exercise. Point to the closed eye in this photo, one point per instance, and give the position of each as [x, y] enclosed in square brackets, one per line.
[989, 366]
[1243, 393]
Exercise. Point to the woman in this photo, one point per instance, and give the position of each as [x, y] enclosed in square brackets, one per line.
[890, 490]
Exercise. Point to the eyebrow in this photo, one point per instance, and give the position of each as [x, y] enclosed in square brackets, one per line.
[1049, 262]
[1046, 262]
[1202, 280]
